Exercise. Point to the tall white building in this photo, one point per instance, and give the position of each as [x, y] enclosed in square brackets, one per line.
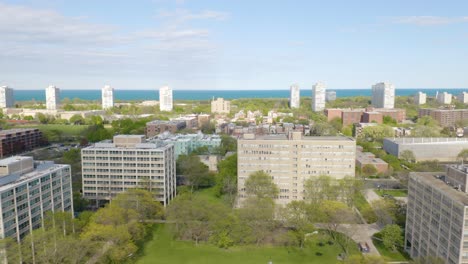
[295, 96]
[110, 168]
[107, 97]
[318, 97]
[463, 97]
[52, 97]
[220, 106]
[383, 95]
[6, 97]
[444, 98]
[165, 98]
[330, 96]
[420, 98]
[28, 190]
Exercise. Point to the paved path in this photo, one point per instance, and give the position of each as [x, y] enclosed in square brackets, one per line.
[371, 195]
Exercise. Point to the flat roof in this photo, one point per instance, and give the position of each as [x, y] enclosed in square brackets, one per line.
[10, 160]
[430, 179]
[15, 130]
[42, 167]
[308, 138]
[421, 140]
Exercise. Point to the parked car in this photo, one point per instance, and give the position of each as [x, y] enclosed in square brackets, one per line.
[363, 247]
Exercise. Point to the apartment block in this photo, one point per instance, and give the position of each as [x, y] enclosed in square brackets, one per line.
[420, 98]
[129, 161]
[442, 149]
[294, 96]
[220, 106]
[372, 117]
[165, 99]
[444, 98]
[28, 190]
[445, 117]
[191, 121]
[368, 158]
[351, 116]
[383, 95]
[463, 97]
[333, 113]
[292, 159]
[107, 97]
[437, 218]
[184, 144]
[14, 141]
[6, 97]
[52, 97]
[396, 113]
[157, 127]
[318, 97]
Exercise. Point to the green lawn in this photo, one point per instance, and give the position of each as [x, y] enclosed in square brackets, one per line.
[164, 249]
[364, 208]
[394, 193]
[67, 130]
[388, 254]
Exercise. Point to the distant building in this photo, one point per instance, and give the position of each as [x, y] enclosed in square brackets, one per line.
[383, 95]
[184, 144]
[191, 121]
[292, 159]
[444, 98]
[6, 97]
[203, 120]
[330, 96]
[318, 97]
[220, 106]
[368, 158]
[157, 127]
[333, 113]
[15, 141]
[107, 97]
[351, 116]
[399, 114]
[463, 97]
[165, 99]
[52, 97]
[294, 96]
[28, 190]
[445, 117]
[437, 217]
[110, 168]
[372, 117]
[442, 149]
[420, 98]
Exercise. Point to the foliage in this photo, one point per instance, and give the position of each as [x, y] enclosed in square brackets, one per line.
[390, 211]
[463, 155]
[388, 120]
[364, 259]
[408, 156]
[226, 179]
[368, 170]
[298, 216]
[326, 188]
[196, 174]
[323, 129]
[427, 259]
[97, 133]
[260, 184]
[392, 237]
[364, 208]
[376, 133]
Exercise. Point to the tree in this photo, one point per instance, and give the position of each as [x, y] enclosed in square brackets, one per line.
[408, 156]
[388, 120]
[321, 189]
[392, 237]
[226, 179]
[77, 119]
[323, 129]
[256, 220]
[386, 211]
[260, 184]
[369, 170]
[463, 155]
[194, 171]
[297, 216]
[378, 132]
[428, 260]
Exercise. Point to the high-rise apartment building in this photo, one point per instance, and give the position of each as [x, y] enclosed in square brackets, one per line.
[6, 97]
[52, 97]
[107, 97]
[437, 216]
[463, 97]
[318, 97]
[220, 106]
[444, 98]
[294, 96]
[29, 189]
[110, 168]
[330, 96]
[445, 117]
[165, 99]
[383, 95]
[293, 159]
[420, 98]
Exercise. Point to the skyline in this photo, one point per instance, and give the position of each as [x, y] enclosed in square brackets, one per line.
[207, 44]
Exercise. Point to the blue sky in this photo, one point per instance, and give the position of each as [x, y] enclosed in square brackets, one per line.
[227, 44]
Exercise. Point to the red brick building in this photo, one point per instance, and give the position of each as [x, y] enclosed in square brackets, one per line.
[14, 141]
[372, 117]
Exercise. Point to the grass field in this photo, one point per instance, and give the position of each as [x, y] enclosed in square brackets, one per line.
[67, 130]
[364, 207]
[388, 254]
[394, 193]
[164, 249]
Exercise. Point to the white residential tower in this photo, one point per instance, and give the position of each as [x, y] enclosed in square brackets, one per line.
[52, 97]
[107, 97]
[295, 96]
[6, 97]
[318, 97]
[165, 98]
[383, 95]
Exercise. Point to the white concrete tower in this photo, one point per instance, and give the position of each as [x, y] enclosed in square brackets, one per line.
[107, 97]
[318, 97]
[52, 97]
[420, 98]
[294, 96]
[165, 98]
[383, 95]
[6, 97]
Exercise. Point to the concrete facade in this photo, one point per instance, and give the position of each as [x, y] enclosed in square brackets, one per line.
[6, 97]
[318, 97]
[420, 98]
[442, 149]
[383, 95]
[165, 99]
[28, 190]
[293, 159]
[220, 106]
[294, 96]
[184, 144]
[107, 97]
[52, 97]
[463, 97]
[110, 168]
[157, 127]
[437, 218]
[444, 98]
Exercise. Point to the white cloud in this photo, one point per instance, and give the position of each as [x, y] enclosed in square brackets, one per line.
[429, 20]
[180, 16]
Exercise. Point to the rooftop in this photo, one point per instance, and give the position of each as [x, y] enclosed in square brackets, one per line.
[15, 130]
[308, 138]
[437, 181]
[10, 160]
[408, 140]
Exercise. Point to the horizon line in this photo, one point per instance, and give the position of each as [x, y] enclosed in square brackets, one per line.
[217, 90]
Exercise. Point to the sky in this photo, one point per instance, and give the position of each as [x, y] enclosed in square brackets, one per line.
[233, 44]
